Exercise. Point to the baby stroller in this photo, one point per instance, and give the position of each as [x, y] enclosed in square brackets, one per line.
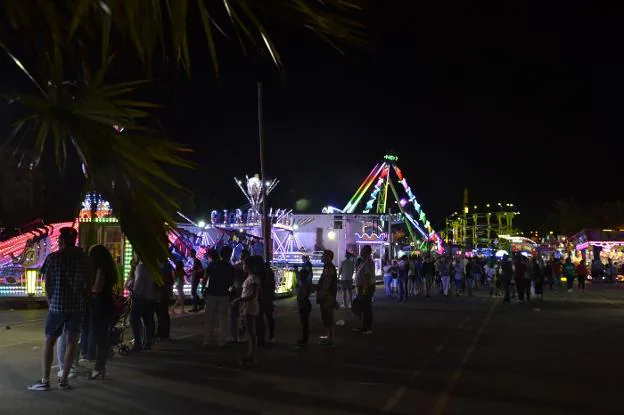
[121, 312]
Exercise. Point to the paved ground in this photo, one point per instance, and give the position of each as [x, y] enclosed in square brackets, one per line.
[459, 355]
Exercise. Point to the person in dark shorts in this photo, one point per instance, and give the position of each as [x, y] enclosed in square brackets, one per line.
[326, 292]
[68, 275]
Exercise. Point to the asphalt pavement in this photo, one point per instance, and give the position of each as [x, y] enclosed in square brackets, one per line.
[428, 356]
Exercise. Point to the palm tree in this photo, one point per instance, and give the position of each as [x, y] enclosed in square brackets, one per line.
[78, 55]
[568, 216]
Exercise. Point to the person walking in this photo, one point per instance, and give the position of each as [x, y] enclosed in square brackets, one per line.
[220, 278]
[196, 275]
[490, 276]
[68, 275]
[326, 296]
[365, 283]
[106, 278]
[347, 269]
[249, 305]
[304, 306]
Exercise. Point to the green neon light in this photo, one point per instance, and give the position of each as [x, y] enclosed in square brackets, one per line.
[391, 157]
[127, 258]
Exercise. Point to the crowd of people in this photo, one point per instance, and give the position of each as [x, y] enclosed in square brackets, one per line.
[518, 277]
[237, 295]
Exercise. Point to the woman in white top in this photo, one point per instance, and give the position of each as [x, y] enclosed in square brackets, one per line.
[249, 306]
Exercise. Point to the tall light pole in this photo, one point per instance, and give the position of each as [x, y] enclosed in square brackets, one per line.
[266, 225]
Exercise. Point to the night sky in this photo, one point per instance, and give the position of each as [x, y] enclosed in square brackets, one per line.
[513, 100]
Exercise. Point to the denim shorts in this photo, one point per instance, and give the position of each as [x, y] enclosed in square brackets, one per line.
[56, 323]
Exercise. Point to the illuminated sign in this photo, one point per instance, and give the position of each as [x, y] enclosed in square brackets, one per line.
[391, 157]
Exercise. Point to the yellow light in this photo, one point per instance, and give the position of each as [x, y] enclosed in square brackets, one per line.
[466, 209]
[331, 235]
[31, 281]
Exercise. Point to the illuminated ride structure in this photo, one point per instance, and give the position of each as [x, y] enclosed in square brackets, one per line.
[23, 255]
[479, 227]
[390, 191]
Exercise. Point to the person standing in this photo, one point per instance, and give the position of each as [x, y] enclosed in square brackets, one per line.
[304, 306]
[581, 273]
[519, 274]
[548, 274]
[471, 266]
[428, 271]
[143, 293]
[387, 278]
[445, 275]
[506, 277]
[538, 279]
[347, 269]
[163, 331]
[266, 298]
[102, 305]
[326, 296]
[196, 274]
[249, 305]
[219, 277]
[557, 272]
[68, 275]
[459, 276]
[365, 283]
[239, 277]
[569, 271]
[490, 276]
[403, 271]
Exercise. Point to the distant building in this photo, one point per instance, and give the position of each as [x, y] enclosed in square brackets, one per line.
[21, 196]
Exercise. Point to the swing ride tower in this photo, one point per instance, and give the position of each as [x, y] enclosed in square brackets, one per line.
[392, 196]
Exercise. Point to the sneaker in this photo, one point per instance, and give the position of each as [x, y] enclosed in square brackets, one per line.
[72, 374]
[63, 384]
[40, 385]
[327, 343]
[366, 332]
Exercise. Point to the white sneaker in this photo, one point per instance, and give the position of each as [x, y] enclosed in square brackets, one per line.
[72, 374]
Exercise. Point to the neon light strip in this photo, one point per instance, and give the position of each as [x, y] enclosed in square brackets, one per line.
[385, 196]
[604, 244]
[374, 195]
[355, 200]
